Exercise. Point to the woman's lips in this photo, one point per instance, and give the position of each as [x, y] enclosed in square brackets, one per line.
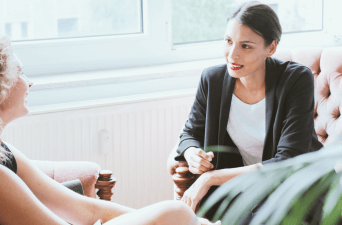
[234, 66]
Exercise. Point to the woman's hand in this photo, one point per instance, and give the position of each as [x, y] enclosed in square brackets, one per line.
[207, 222]
[198, 160]
[197, 191]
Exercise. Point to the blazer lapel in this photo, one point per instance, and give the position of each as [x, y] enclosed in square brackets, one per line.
[226, 98]
[271, 78]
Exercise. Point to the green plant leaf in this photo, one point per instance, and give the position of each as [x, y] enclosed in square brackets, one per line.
[281, 200]
[229, 189]
[308, 199]
[238, 185]
[292, 186]
[221, 148]
[333, 203]
[255, 193]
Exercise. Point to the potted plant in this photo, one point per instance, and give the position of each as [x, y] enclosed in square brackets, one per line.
[285, 192]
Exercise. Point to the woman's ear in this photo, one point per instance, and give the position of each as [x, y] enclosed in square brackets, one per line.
[272, 48]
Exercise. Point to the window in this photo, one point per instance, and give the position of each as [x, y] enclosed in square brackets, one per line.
[67, 27]
[73, 18]
[148, 39]
[16, 30]
[8, 29]
[196, 21]
[24, 30]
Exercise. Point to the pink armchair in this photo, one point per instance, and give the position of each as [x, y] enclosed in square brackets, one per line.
[87, 172]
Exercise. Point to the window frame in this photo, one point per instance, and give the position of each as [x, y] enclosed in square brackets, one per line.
[152, 47]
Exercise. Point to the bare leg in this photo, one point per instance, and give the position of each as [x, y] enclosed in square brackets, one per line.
[18, 205]
[165, 213]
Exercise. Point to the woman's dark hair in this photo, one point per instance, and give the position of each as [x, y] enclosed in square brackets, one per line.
[260, 18]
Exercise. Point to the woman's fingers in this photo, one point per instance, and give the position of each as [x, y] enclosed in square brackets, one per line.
[204, 221]
[195, 170]
[203, 162]
[194, 165]
[211, 154]
[190, 202]
[193, 206]
[198, 160]
[189, 199]
[186, 199]
[203, 154]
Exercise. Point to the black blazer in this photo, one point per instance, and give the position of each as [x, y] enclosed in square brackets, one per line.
[289, 114]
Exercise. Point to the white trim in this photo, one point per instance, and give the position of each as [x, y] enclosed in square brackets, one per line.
[121, 75]
[52, 108]
[77, 41]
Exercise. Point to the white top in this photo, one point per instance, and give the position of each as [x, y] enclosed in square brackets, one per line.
[247, 129]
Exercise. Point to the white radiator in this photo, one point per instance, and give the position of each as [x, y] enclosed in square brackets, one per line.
[142, 135]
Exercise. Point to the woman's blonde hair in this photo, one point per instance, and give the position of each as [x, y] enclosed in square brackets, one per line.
[8, 76]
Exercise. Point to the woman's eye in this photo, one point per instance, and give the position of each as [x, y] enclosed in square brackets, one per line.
[23, 75]
[229, 41]
[246, 46]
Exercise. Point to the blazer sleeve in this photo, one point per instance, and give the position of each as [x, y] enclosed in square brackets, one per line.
[298, 124]
[194, 129]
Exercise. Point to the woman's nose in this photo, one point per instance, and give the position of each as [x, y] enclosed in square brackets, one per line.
[234, 53]
[29, 82]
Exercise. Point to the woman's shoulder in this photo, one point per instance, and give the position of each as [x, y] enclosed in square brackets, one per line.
[291, 67]
[292, 71]
[214, 72]
[8, 146]
[9, 160]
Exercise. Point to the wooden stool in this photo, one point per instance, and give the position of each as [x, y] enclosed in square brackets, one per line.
[105, 184]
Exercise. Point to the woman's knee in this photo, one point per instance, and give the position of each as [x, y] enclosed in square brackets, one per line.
[177, 211]
[177, 206]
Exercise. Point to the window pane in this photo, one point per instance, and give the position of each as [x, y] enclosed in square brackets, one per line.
[205, 20]
[49, 19]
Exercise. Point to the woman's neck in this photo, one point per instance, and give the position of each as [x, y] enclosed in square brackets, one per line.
[3, 122]
[254, 82]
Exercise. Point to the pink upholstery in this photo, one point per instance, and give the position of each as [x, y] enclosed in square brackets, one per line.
[326, 66]
[87, 172]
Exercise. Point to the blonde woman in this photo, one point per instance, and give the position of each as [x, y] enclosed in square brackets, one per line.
[28, 196]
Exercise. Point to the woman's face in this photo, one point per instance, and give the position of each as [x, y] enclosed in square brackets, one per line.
[245, 51]
[16, 105]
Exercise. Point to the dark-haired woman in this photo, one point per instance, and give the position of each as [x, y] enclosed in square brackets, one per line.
[261, 106]
[28, 196]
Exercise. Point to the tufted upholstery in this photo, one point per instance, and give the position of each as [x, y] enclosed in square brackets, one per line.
[326, 66]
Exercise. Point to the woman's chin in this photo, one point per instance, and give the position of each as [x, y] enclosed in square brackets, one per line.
[233, 73]
[25, 111]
